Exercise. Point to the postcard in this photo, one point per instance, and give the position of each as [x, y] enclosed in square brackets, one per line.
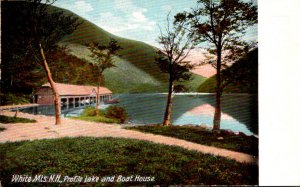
[129, 93]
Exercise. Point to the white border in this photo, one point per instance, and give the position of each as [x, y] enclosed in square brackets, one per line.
[279, 92]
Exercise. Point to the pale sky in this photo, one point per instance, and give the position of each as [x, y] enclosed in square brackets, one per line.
[133, 19]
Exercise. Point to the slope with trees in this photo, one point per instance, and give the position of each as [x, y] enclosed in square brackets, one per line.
[241, 77]
[221, 24]
[35, 41]
[136, 58]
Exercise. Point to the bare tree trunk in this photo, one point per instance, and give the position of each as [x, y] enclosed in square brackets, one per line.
[217, 115]
[167, 117]
[53, 86]
[98, 94]
[16, 114]
[97, 101]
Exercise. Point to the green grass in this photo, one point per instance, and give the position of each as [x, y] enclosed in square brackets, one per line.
[102, 119]
[117, 156]
[8, 119]
[245, 144]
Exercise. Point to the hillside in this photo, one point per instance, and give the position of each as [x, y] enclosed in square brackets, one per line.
[135, 69]
[242, 75]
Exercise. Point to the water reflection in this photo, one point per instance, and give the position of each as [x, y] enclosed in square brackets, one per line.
[239, 111]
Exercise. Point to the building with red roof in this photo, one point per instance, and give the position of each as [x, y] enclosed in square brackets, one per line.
[70, 94]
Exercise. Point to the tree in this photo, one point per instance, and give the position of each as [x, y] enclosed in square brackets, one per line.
[46, 28]
[17, 63]
[176, 46]
[221, 24]
[102, 54]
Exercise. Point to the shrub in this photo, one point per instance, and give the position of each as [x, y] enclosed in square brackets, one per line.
[10, 99]
[91, 111]
[116, 112]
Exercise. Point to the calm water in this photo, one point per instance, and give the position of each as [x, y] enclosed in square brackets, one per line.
[239, 111]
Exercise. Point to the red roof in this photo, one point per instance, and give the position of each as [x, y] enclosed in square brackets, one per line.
[71, 89]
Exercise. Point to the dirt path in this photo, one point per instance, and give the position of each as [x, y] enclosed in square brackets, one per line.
[45, 128]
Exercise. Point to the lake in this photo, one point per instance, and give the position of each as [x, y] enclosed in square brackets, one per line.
[239, 111]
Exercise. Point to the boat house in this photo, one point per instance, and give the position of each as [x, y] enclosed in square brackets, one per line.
[72, 96]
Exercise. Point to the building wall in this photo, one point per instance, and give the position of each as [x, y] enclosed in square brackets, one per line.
[45, 96]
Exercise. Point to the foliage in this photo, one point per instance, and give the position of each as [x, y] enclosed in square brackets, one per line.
[102, 54]
[222, 24]
[117, 156]
[90, 114]
[116, 112]
[246, 144]
[8, 119]
[69, 69]
[13, 99]
[241, 77]
[112, 114]
[176, 46]
[28, 26]
[91, 111]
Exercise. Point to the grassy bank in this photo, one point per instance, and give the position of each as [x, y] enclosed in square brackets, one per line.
[112, 114]
[245, 144]
[101, 119]
[8, 119]
[117, 156]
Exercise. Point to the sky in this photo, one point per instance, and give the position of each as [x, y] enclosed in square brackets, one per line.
[134, 19]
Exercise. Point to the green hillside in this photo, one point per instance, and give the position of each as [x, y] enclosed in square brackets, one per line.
[208, 86]
[242, 76]
[135, 69]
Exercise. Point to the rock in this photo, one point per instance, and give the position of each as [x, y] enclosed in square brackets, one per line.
[220, 138]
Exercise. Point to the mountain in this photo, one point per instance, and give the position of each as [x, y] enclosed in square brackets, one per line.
[135, 69]
[242, 76]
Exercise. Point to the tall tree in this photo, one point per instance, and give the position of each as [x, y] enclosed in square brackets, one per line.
[176, 46]
[221, 24]
[103, 56]
[17, 65]
[46, 27]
